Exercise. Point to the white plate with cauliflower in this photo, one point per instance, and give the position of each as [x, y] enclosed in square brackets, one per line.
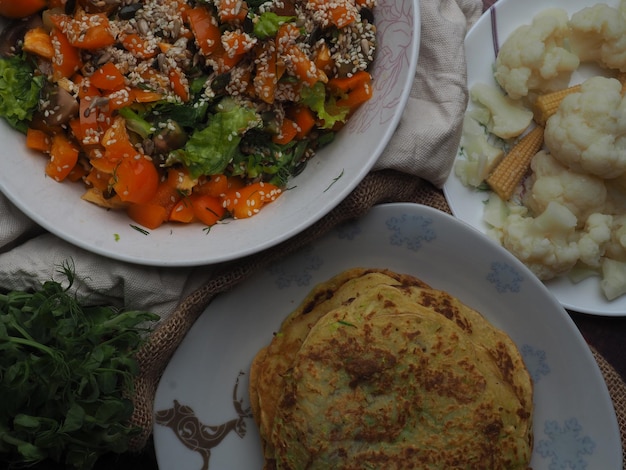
[566, 217]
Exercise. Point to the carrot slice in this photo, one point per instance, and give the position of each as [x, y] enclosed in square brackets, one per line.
[304, 119]
[179, 83]
[338, 12]
[232, 10]
[356, 89]
[265, 79]
[347, 84]
[85, 31]
[205, 29]
[323, 59]
[302, 67]
[237, 42]
[288, 131]
[85, 87]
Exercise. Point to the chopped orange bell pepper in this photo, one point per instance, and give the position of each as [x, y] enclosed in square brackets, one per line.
[63, 157]
[182, 212]
[150, 216]
[207, 209]
[107, 77]
[37, 41]
[66, 58]
[136, 179]
[37, 140]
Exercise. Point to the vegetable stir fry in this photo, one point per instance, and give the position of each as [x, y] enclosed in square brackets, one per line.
[184, 110]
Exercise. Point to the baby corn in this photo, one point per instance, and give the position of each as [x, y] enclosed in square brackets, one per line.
[509, 173]
[621, 77]
[546, 105]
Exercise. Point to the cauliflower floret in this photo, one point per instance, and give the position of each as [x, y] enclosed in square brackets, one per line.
[550, 181]
[509, 118]
[615, 195]
[616, 248]
[547, 244]
[594, 239]
[598, 34]
[533, 57]
[613, 283]
[588, 132]
[480, 155]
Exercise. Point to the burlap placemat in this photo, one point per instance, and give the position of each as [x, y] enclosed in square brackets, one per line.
[376, 188]
[617, 390]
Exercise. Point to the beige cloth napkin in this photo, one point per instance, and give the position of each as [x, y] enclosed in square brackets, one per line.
[427, 138]
[422, 151]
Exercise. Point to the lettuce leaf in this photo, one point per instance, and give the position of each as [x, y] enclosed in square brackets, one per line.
[325, 107]
[19, 91]
[267, 24]
[209, 151]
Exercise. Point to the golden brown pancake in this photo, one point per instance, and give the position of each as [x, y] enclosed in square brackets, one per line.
[378, 370]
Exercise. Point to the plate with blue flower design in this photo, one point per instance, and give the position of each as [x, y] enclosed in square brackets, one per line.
[202, 415]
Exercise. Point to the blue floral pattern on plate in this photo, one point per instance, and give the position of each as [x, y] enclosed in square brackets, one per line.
[566, 446]
[297, 272]
[536, 363]
[411, 230]
[505, 277]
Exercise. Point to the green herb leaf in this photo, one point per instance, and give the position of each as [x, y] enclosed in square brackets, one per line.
[67, 370]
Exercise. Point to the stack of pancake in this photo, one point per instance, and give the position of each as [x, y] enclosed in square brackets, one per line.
[378, 370]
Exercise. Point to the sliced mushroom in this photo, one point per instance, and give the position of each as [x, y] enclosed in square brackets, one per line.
[171, 137]
[57, 106]
[12, 36]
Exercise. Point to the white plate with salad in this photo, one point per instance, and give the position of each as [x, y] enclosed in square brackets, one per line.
[468, 204]
[201, 403]
[327, 179]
